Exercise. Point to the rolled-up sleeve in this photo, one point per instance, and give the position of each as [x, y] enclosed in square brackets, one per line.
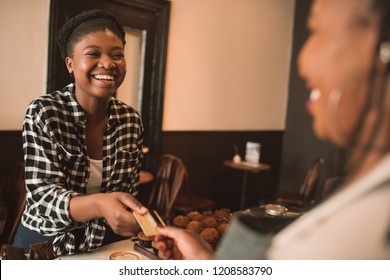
[48, 195]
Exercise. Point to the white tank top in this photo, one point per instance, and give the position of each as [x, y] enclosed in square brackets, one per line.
[95, 177]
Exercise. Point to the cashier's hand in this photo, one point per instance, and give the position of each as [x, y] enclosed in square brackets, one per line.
[179, 244]
[116, 209]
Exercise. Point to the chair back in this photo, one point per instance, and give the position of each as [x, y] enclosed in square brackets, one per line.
[14, 195]
[309, 185]
[170, 178]
[331, 184]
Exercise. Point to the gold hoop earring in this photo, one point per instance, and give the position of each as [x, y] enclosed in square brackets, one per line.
[384, 52]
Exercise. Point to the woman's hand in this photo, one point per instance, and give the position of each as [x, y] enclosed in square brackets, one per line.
[114, 207]
[180, 244]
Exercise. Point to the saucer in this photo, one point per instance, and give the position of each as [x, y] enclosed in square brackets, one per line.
[124, 255]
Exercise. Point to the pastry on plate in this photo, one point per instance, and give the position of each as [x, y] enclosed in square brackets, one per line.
[222, 215]
[207, 213]
[195, 226]
[209, 222]
[210, 235]
[222, 228]
[180, 221]
[195, 216]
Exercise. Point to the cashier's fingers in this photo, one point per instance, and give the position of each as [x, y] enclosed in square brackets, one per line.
[167, 255]
[186, 244]
[132, 203]
[163, 243]
[165, 248]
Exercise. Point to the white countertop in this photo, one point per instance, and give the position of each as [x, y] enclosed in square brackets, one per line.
[104, 252]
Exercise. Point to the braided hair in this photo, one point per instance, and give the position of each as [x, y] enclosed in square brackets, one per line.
[84, 23]
[384, 36]
[376, 94]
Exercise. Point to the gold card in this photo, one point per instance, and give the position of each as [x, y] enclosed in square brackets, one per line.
[148, 223]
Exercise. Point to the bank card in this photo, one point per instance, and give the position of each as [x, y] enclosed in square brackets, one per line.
[149, 222]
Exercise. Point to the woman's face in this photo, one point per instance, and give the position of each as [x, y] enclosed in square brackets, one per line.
[337, 58]
[98, 65]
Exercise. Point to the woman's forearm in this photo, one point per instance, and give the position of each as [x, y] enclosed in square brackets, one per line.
[85, 207]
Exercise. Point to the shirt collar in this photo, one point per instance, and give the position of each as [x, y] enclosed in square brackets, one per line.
[78, 112]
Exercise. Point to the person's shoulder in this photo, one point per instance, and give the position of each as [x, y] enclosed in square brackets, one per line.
[58, 96]
[54, 101]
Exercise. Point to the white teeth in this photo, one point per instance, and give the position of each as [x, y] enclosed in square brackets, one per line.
[315, 94]
[104, 77]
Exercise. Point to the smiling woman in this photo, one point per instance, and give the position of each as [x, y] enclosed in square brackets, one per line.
[83, 147]
[146, 23]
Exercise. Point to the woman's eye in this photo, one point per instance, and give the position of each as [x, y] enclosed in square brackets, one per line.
[93, 54]
[118, 56]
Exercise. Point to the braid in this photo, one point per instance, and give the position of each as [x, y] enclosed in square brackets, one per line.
[384, 7]
[376, 95]
[84, 23]
[359, 130]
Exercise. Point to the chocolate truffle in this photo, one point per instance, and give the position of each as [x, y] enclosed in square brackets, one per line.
[194, 216]
[210, 235]
[195, 226]
[209, 222]
[180, 221]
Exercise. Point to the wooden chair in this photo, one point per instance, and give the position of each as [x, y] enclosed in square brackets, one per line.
[305, 196]
[187, 200]
[171, 191]
[168, 182]
[14, 197]
[331, 184]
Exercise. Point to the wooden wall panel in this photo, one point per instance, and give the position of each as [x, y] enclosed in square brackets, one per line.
[11, 150]
[204, 153]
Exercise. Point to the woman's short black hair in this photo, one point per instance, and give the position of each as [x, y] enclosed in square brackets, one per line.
[84, 23]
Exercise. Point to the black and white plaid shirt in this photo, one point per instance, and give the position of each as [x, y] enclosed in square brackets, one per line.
[57, 165]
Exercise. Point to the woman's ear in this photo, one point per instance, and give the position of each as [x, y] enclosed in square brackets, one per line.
[69, 65]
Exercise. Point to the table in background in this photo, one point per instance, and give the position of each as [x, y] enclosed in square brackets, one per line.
[269, 223]
[246, 168]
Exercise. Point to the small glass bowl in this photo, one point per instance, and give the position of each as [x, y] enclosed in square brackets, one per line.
[275, 209]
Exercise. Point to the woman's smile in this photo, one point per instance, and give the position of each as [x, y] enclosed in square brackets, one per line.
[104, 80]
